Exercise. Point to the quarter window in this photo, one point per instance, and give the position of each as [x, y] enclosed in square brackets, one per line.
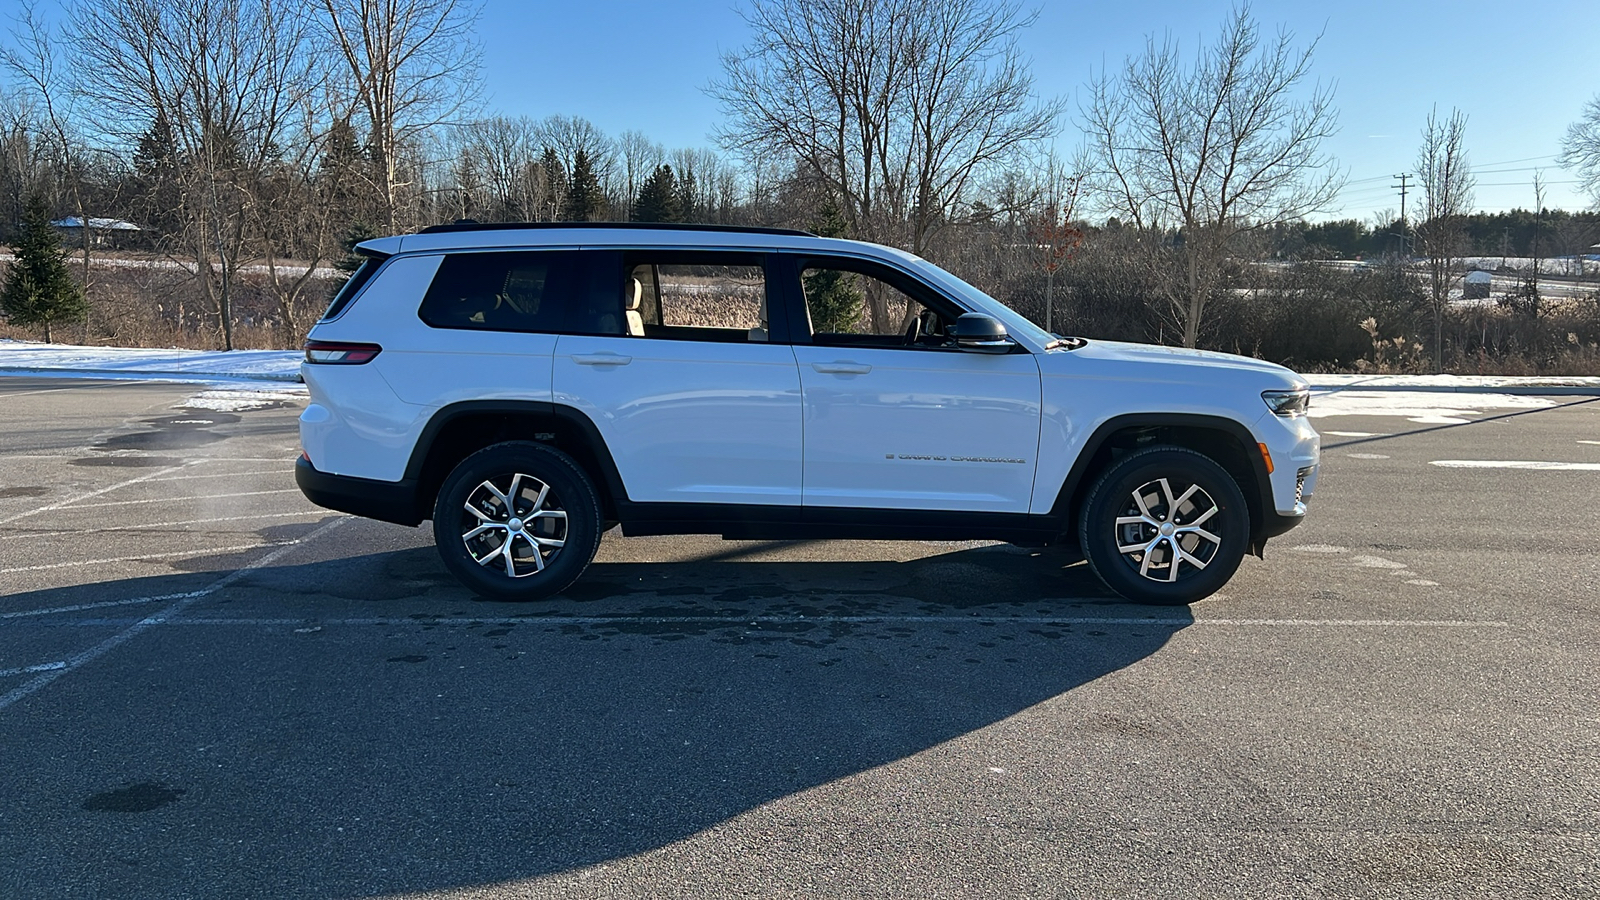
[501, 291]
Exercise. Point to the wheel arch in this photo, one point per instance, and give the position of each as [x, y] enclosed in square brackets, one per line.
[1225, 441]
[457, 431]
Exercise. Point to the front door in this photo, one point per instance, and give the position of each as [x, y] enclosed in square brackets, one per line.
[895, 417]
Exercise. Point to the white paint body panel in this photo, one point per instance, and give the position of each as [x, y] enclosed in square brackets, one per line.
[920, 429]
[688, 421]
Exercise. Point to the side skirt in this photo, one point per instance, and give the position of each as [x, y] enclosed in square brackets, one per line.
[754, 522]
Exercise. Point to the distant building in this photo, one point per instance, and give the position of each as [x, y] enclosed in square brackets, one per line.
[102, 232]
[1476, 285]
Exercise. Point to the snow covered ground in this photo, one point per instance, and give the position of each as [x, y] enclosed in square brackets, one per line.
[253, 379]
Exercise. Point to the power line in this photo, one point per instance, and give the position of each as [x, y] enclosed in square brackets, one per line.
[1404, 177]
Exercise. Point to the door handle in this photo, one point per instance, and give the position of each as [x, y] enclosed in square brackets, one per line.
[842, 368]
[601, 359]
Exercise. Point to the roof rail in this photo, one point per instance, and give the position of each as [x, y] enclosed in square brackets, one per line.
[469, 225]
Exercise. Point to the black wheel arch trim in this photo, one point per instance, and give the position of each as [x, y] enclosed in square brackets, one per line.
[1264, 519]
[611, 479]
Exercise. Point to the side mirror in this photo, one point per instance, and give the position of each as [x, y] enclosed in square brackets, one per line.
[978, 333]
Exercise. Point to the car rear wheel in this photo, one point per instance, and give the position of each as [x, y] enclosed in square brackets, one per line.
[1165, 525]
[517, 521]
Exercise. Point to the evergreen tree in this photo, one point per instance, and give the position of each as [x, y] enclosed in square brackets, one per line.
[38, 288]
[555, 185]
[688, 209]
[658, 199]
[157, 152]
[583, 192]
[355, 234]
[831, 295]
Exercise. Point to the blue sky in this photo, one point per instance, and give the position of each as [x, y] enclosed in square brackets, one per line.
[1521, 72]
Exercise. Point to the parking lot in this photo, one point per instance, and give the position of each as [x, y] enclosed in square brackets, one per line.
[209, 688]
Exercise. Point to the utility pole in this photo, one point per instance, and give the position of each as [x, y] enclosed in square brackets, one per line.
[1405, 229]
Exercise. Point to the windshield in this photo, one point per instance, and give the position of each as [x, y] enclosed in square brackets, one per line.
[1016, 324]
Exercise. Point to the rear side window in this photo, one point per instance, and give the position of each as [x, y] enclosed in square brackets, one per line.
[523, 291]
[353, 285]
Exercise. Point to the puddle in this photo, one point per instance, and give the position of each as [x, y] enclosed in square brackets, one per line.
[159, 440]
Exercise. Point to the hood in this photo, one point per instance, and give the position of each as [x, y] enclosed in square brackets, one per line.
[1150, 362]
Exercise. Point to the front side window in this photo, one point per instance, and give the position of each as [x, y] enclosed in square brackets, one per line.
[854, 303]
[521, 291]
[698, 297]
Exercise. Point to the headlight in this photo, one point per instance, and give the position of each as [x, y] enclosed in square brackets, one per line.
[1287, 403]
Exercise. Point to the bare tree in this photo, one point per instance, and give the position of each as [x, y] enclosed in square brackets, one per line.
[1580, 148]
[896, 105]
[231, 77]
[1444, 176]
[638, 157]
[1055, 233]
[1203, 153]
[413, 65]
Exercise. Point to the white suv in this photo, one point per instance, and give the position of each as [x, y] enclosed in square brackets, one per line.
[530, 386]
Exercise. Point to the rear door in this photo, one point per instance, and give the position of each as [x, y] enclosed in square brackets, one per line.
[695, 392]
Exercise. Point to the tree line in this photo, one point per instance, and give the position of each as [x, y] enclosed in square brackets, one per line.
[253, 143]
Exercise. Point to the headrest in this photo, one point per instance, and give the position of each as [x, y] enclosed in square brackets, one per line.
[631, 295]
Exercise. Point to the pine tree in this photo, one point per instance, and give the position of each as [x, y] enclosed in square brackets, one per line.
[658, 198]
[688, 209]
[38, 288]
[583, 192]
[555, 185]
[831, 295]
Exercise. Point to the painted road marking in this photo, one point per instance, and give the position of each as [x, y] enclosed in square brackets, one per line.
[164, 616]
[1515, 464]
[101, 604]
[116, 559]
[737, 621]
[29, 670]
[95, 493]
[134, 529]
[186, 497]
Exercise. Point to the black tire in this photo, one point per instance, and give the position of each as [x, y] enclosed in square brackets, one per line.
[555, 497]
[1211, 528]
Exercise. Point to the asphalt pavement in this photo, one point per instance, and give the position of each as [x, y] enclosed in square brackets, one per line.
[211, 688]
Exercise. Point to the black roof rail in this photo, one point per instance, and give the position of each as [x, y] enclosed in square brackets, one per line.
[468, 225]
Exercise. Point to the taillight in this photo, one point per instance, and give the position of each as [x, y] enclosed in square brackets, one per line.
[340, 353]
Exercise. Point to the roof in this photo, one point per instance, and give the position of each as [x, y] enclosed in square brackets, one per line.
[96, 224]
[609, 234]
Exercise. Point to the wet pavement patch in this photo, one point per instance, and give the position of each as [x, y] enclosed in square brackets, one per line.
[409, 658]
[8, 493]
[131, 462]
[138, 798]
[159, 440]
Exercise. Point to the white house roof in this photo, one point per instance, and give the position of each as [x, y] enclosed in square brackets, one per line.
[96, 224]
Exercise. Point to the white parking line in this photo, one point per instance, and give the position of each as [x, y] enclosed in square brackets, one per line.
[116, 559]
[1515, 464]
[28, 670]
[187, 497]
[159, 618]
[226, 475]
[735, 622]
[95, 493]
[101, 604]
[131, 529]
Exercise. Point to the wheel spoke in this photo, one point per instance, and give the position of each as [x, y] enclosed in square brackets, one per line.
[549, 514]
[511, 563]
[1137, 520]
[499, 496]
[488, 526]
[1144, 508]
[1183, 498]
[1200, 520]
[1192, 560]
[1201, 533]
[538, 503]
[1177, 556]
[511, 495]
[482, 516]
[546, 542]
[1172, 505]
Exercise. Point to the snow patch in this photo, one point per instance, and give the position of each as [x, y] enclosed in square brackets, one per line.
[1320, 548]
[239, 401]
[267, 368]
[1515, 464]
[1424, 408]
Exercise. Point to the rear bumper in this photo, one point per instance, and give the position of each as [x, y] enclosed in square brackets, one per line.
[386, 501]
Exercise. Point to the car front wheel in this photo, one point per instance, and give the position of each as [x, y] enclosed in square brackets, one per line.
[517, 521]
[1165, 525]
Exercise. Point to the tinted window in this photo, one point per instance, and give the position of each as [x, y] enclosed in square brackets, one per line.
[526, 291]
[697, 296]
[353, 285]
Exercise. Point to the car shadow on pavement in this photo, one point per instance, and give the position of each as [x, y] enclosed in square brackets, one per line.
[359, 726]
